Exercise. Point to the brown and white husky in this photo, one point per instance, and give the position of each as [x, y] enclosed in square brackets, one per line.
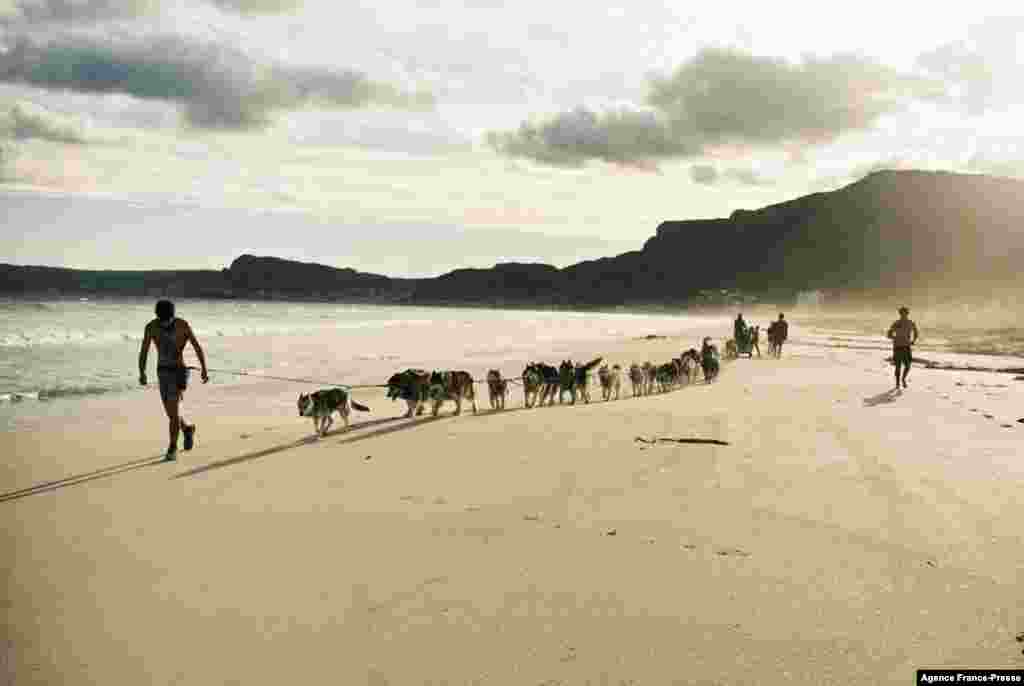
[321, 406]
[498, 388]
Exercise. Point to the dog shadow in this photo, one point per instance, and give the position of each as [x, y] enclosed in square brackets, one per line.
[310, 440]
[882, 398]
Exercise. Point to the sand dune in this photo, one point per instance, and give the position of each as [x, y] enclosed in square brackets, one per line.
[846, 534]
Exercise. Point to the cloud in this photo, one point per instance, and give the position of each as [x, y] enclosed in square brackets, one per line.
[258, 6]
[708, 175]
[573, 138]
[747, 177]
[1013, 168]
[45, 11]
[24, 120]
[218, 87]
[723, 97]
[703, 174]
[982, 72]
[69, 11]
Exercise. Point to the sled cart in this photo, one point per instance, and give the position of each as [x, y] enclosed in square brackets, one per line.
[744, 345]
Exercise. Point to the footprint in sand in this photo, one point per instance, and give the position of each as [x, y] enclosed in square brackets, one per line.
[1006, 426]
[988, 416]
[245, 435]
[732, 552]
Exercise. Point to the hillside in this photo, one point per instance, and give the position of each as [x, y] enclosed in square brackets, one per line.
[890, 231]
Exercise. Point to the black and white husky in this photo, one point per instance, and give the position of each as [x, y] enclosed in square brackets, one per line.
[321, 405]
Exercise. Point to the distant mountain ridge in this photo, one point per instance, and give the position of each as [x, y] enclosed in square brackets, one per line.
[889, 231]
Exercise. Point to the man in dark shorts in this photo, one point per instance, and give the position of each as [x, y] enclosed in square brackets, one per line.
[170, 336]
[780, 330]
[903, 333]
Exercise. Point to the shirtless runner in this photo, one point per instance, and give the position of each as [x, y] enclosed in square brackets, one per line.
[903, 333]
[170, 336]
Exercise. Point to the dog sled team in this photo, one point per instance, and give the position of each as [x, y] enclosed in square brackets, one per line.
[746, 339]
[541, 384]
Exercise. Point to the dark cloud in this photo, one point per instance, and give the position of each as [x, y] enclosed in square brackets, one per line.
[218, 87]
[45, 11]
[703, 174]
[55, 11]
[573, 138]
[724, 97]
[982, 72]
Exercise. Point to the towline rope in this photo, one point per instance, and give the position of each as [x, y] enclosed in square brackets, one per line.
[314, 381]
[285, 378]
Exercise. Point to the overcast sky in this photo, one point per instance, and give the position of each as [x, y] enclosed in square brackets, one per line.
[412, 137]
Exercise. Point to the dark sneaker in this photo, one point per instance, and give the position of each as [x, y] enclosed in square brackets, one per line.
[190, 432]
[172, 454]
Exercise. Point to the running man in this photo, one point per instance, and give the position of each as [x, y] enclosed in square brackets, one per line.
[779, 330]
[903, 333]
[170, 336]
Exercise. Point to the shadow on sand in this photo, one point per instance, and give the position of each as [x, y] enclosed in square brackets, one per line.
[887, 397]
[408, 423]
[81, 478]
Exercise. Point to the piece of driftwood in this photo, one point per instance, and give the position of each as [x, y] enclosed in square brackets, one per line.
[701, 441]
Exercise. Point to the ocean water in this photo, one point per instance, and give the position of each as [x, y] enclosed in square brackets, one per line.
[60, 350]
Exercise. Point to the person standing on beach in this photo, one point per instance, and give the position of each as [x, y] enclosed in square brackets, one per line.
[781, 332]
[739, 330]
[170, 336]
[903, 334]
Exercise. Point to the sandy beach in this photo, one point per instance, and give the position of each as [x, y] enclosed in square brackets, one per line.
[845, 535]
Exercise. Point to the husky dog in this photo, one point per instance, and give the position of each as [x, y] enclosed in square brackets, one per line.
[582, 374]
[731, 351]
[566, 381]
[411, 386]
[636, 378]
[610, 381]
[451, 385]
[650, 372]
[665, 375]
[540, 382]
[709, 360]
[616, 380]
[321, 406]
[498, 388]
[533, 384]
[575, 378]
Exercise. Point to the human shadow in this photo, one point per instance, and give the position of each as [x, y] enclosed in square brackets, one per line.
[77, 479]
[887, 397]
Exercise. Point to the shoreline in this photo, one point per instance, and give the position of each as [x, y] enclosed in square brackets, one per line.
[845, 534]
